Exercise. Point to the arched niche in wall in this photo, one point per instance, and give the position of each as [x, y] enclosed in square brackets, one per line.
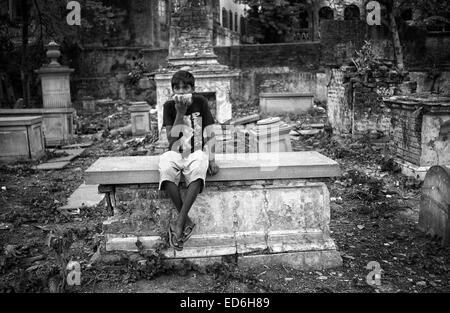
[326, 13]
[352, 13]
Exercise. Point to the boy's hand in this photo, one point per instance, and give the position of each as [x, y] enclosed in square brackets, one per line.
[213, 168]
[180, 106]
[182, 102]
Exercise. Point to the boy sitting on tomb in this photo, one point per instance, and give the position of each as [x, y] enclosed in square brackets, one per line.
[191, 152]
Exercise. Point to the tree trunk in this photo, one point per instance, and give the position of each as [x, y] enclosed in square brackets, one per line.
[24, 74]
[397, 44]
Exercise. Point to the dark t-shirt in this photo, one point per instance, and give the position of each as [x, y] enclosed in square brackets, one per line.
[197, 117]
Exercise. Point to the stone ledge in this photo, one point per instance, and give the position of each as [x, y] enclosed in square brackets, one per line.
[253, 166]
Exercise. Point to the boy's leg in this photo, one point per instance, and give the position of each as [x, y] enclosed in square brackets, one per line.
[170, 166]
[170, 174]
[183, 219]
[195, 174]
[174, 193]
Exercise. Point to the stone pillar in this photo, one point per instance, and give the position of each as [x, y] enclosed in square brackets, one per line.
[156, 24]
[191, 34]
[55, 80]
[315, 22]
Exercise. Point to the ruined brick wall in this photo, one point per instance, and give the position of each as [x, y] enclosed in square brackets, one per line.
[338, 105]
[225, 37]
[273, 68]
[102, 70]
[355, 103]
[407, 133]
[295, 55]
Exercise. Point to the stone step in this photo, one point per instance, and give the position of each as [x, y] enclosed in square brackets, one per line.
[144, 169]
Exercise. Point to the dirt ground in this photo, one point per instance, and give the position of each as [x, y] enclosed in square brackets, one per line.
[374, 215]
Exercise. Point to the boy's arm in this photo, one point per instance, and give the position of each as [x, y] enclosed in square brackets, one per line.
[172, 137]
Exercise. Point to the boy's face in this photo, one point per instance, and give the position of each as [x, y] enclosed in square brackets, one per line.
[182, 89]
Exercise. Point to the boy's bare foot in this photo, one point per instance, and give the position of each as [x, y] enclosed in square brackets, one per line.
[182, 230]
[177, 229]
[189, 222]
[174, 239]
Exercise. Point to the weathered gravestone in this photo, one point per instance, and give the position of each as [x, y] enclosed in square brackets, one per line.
[435, 204]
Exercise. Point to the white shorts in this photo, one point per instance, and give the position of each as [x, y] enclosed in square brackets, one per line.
[194, 167]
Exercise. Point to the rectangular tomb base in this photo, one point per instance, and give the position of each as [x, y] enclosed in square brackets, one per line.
[57, 123]
[21, 139]
[259, 221]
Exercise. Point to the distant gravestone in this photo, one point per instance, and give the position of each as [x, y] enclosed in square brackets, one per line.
[435, 204]
[140, 118]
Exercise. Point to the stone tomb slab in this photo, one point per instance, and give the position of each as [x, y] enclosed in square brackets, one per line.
[258, 204]
[286, 102]
[252, 166]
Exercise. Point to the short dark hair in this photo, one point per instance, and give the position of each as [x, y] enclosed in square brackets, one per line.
[184, 77]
